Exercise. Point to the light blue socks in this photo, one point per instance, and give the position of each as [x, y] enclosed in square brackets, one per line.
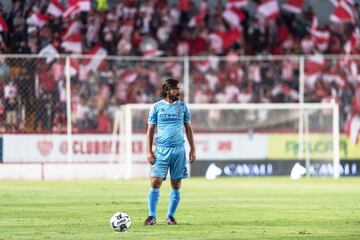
[174, 202]
[153, 198]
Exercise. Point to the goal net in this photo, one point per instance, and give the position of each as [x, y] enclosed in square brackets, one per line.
[243, 139]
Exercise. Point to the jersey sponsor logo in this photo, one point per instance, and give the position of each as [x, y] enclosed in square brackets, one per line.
[170, 116]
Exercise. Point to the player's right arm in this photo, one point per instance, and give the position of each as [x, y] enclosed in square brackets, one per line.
[149, 142]
[152, 121]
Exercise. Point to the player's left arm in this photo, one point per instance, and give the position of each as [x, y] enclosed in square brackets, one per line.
[190, 137]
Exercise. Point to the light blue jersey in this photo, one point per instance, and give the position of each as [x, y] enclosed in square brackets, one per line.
[169, 119]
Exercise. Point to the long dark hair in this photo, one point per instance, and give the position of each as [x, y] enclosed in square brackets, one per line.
[167, 85]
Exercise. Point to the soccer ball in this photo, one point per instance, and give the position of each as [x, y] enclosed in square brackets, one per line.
[120, 222]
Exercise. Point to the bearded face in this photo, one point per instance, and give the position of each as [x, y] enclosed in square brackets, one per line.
[174, 93]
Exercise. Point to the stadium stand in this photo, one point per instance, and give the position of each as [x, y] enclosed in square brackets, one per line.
[33, 90]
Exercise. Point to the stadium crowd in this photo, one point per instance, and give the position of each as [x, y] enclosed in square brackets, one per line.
[34, 90]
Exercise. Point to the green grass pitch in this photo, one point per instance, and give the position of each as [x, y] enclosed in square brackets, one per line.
[226, 208]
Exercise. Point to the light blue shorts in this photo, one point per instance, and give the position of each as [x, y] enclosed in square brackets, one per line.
[173, 158]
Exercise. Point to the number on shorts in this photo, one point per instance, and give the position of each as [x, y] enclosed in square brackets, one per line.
[185, 171]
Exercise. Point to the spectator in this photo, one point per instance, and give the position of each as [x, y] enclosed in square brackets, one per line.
[43, 120]
[81, 112]
[11, 113]
[4, 70]
[103, 122]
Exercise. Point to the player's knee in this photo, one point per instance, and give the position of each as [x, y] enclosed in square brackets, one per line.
[176, 184]
[156, 182]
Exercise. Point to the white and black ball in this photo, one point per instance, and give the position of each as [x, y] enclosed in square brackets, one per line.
[120, 222]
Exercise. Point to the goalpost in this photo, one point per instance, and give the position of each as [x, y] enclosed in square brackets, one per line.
[282, 134]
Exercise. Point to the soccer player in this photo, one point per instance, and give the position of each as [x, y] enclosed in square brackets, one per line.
[170, 116]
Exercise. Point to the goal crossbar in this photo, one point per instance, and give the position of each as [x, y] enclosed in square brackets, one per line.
[246, 106]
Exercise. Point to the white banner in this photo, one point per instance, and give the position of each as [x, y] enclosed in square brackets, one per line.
[53, 148]
[227, 146]
[97, 147]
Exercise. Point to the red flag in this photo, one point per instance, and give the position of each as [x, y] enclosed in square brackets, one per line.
[233, 16]
[294, 6]
[129, 76]
[355, 37]
[38, 19]
[236, 3]
[71, 11]
[200, 17]
[352, 128]
[227, 38]
[230, 37]
[356, 101]
[269, 9]
[321, 38]
[313, 67]
[3, 25]
[84, 5]
[71, 29]
[76, 6]
[50, 52]
[314, 23]
[314, 64]
[337, 2]
[342, 13]
[74, 66]
[98, 57]
[333, 76]
[55, 8]
[72, 43]
[353, 43]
